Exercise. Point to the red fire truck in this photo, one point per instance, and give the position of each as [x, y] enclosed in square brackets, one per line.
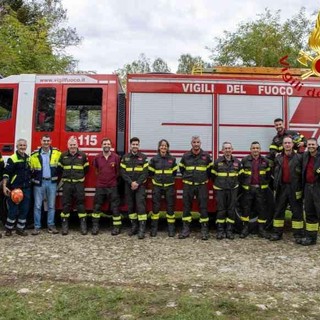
[229, 104]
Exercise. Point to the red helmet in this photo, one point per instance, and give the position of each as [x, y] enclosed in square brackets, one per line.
[16, 195]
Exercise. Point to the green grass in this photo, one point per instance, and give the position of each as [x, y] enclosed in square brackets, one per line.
[53, 300]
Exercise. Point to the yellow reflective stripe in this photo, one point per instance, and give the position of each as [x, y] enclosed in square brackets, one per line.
[203, 220]
[190, 168]
[312, 226]
[227, 174]
[117, 223]
[78, 167]
[213, 171]
[280, 148]
[82, 215]
[86, 164]
[137, 169]
[13, 178]
[229, 220]
[122, 165]
[168, 171]
[298, 195]
[116, 218]
[245, 187]
[142, 217]
[64, 215]
[181, 165]
[274, 147]
[146, 165]
[96, 215]
[220, 220]
[155, 216]
[268, 169]
[297, 224]
[133, 216]
[264, 186]
[248, 172]
[72, 180]
[278, 223]
[162, 184]
[152, 169]
[216, 188]
[187, 219]
[262, 172]
[245, 219]
[262, 221]
[194, 183]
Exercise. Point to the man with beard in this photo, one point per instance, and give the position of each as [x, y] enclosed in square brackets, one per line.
[106, 165]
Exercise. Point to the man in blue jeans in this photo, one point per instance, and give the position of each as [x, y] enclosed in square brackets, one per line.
[44, 165]
[17, 174]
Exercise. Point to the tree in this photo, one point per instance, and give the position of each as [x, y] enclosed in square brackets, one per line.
[187, 62]
[141, 65]
[31, 39]
[264, 41]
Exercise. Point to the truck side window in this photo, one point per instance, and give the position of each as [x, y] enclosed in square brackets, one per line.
[46, 106]
[84, 108]
[6, 102]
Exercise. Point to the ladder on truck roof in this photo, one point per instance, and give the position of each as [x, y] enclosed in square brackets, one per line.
[198, 70]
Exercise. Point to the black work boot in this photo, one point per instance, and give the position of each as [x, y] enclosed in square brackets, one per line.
[171, 230]
[134, 228]
[276, 234]
[262, 233]
[298, 235]
[142, 229]
[220, 231]
[154, 228]
[83, 226]
[229, 231]
[245, 230]
[115, 230]
[64, 226]
[185, 233]
[95, 226]
[308, 241]
[21, 232]
[204, 231]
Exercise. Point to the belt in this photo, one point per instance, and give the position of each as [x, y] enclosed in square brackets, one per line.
[47, 179]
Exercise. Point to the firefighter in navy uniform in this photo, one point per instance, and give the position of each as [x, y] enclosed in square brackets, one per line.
[255, 176]
[195, 167]
[74, 165]
[17, 174]
[225, 172]
[163, 169]
[288, 188]
[311, 182]
[134, 171]
[277, 142]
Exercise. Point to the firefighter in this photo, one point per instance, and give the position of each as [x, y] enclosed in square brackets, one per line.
[17, 174]
[311, 182]
[288, 188]
[106, 165]
[44, 166]
[134, 171]
[277, 142]
[225, 174]
[195, 167]
[163, 169]
[255, 174]
[74, 165]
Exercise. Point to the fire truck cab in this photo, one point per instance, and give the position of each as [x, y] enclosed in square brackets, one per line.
[88, 107]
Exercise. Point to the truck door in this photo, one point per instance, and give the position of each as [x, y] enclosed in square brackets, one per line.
[8, 108]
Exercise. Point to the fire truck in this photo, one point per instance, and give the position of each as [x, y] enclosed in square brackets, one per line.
[222, 104]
